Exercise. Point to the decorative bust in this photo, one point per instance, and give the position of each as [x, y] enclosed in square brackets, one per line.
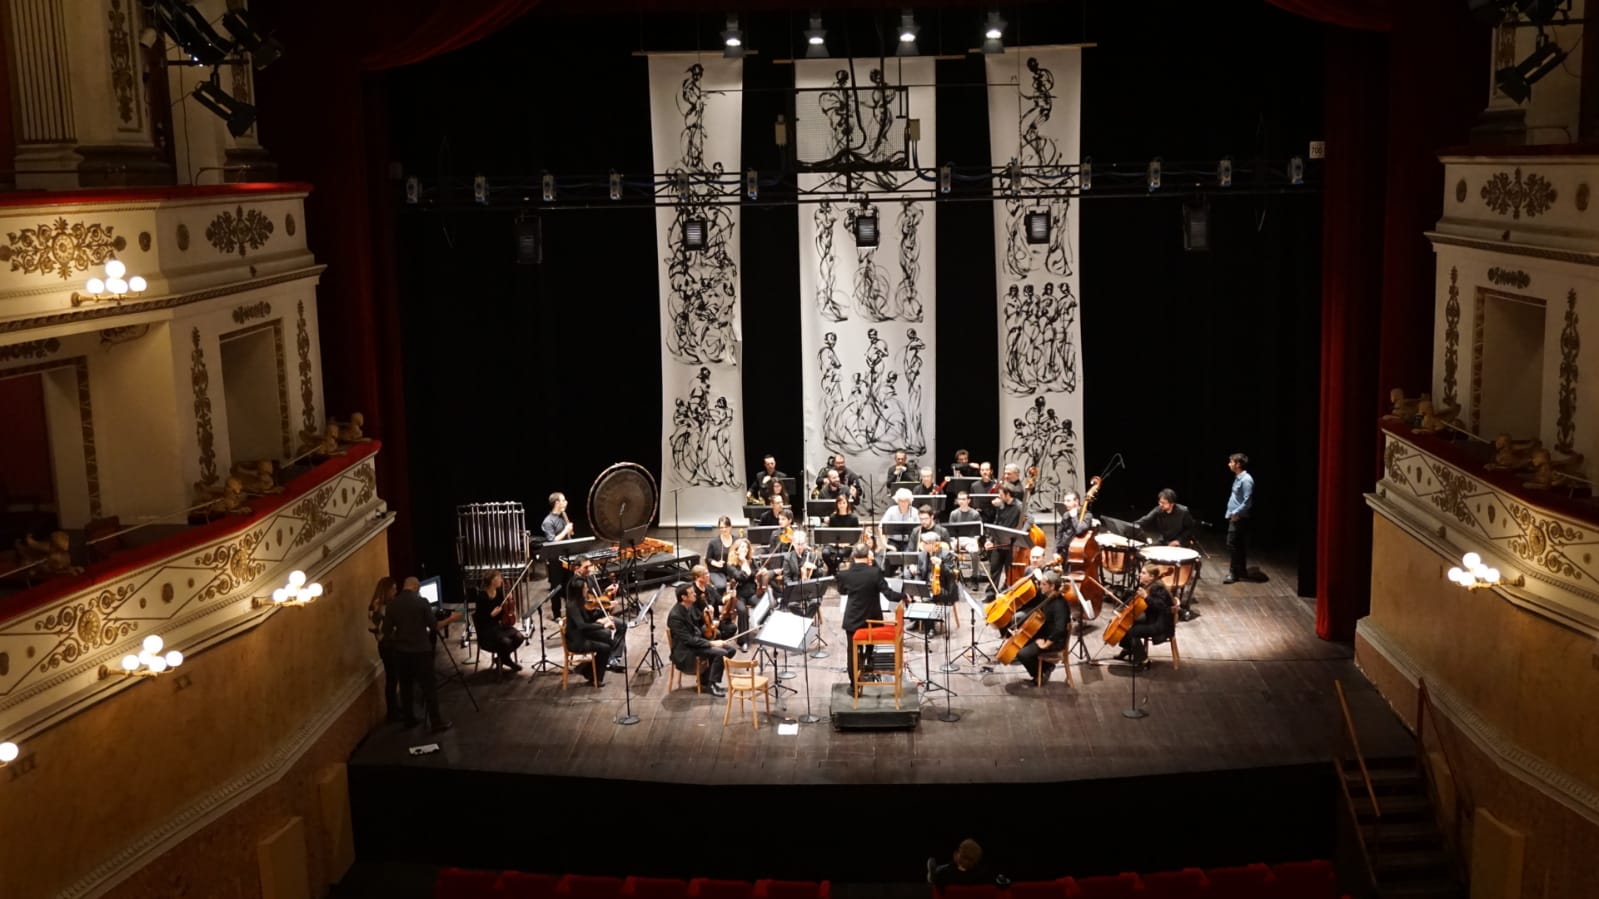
[326, 444]
[231, 502]
[1512, 453]
[258, 478]
[1547, 472]
[1434, 420]
[56, 554]
[1404, 407]
[351, 432]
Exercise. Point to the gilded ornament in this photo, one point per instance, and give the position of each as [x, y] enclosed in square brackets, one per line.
[60, 248]
[84, 627]
[1570, 346]
[369, 484]
[1451, 497]
[144, 241]
[32, 349]
[312, 512]
[183, 237]
[302, 345]
[123, 80]
[202, 413]
[249, 311]
[1451, 395]
[1390, 461]
[234, 565]
[288, 224]
[1543, 542]
[1460, 191]
[239, 230]
[1509, 277]
[1506, 194]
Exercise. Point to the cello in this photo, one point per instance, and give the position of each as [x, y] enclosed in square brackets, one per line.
[1002, 610]
[1118, 626]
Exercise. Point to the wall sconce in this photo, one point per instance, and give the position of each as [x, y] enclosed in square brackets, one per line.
[148, 663]
[1474, 574]
[113, 287]
[8, 753]
[299, 592]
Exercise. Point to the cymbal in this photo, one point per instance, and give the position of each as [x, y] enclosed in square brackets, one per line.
[622, 499]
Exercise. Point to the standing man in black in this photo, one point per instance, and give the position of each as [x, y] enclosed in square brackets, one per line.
[408, 629]
[687, 627]
[1155, 623]
[862, 584]
[1052, 635]
[999, 545]
[555, 527]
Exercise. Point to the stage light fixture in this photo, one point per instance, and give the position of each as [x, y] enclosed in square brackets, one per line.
[816, 39]
[694, 230]
[616, 186]
[865, 227]
[188, 28]
[733, 39]
[1224, 172]
[413, 191]
[239, 116]
[480, 190]
[1037, 222]
[1516, 81]
[1153, 175]
[1196, 226]
[907, 34]
[1296, 170]
[994, 34]
[780, 131]
[752, 184]
[529, 240]
[946, 175]
[1085, 174]
[547, 187]
[263, 49]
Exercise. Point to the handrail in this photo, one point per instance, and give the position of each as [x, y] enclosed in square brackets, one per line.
[1349, 728]
[1462, 794]
[1354, 822]
[1371, 791]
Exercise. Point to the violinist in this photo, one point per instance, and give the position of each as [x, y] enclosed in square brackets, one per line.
[769, 517]
[731, 615]
[686, 625]
[743, 578]
[761, 486]
[784, 533]
[1155, 624]
[493, 608]
[843, 517]
[801, 562]
[935, 564]
[1051, 602]
[589, 626]
[926, 484]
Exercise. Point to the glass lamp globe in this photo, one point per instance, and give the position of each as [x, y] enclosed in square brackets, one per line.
[130, 663]
[314, 589]
[8, 753]
[95, 286]
[280, 595]
[116, 285]
[174, 659]
[1455, 574]
[137, 284]
[296, 579]
[1492, 576]
[157, 664]
[1470, 561]
[114, 268]
[153, 644]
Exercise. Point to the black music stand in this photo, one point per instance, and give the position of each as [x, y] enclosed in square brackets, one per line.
[791, 633]
[767, 654]
[977, 611]
[807, 596]
[936, 500]
[820, 508]
[544, 664]
[1134, 711]
[652, 657]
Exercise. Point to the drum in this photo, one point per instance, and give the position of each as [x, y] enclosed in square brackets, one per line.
[1115, 553]
[1177, 564]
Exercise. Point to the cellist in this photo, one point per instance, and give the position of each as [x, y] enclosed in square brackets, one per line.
[1051, 634]
[1071, 505]
[1155, 623]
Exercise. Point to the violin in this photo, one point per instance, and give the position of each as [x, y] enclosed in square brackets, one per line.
[711, 629]
[1032, 475]
[507, 609]
[787, 536]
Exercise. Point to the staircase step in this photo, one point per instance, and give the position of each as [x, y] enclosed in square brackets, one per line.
[1408, 862]
[1381, 777]
[1422, 889]
[1394, 808]
[1412, 832]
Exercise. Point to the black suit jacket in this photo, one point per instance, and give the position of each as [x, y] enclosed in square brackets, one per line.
[792, 563]
[687, 627]
[862, 585]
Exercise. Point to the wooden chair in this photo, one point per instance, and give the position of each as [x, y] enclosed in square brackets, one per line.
[745, 685]
[1054, 657]
[674, 675]
[880, 632]
[570, 660]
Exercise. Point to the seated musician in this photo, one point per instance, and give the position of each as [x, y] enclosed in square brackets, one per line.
[964, 514]
[901, 470]
[862, 585]
[1035, 561]
[762, 485]
[963, 467]
[743, 577]
[732, 616]
[1170, 523]
[1155, 623]
[1072, 504]
[842, 517]
[493, 601]
[687, 627]
[589, 628]
[851, 479]
[716, 551]
[821, 475]
[1013, 477]
[987, 483]
[926, 483]
[931, 549]
[1051, 635]
[930, 525]
[833, 486]
[899, 513]
[998, 546]
[785, 530]
[770, 516]
[801, 562]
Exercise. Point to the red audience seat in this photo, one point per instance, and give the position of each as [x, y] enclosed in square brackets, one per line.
[582, 886]
[465, 883]
[1189, 883]
[793, 889]
[1121, 886]
[1038, 889]
[1305, 880]
[1244, 882]
[521, 885]
[982, 891]
[710, 888]
[655, 888]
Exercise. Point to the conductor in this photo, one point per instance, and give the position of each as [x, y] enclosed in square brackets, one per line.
[862, 584]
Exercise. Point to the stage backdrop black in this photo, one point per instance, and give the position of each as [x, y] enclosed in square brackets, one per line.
[527, 379]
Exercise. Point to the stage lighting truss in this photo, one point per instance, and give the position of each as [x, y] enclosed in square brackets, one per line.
[1033, 187]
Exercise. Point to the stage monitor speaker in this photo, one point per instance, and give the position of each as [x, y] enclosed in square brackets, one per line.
[529, 241]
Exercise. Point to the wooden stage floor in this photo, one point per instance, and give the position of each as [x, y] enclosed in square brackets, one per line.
[1255, 689]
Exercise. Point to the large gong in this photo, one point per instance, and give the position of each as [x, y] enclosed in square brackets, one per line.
[621, 500]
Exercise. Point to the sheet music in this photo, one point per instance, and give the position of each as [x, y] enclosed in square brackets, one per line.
[644, 610]
[758, 614]
[924, 611]
[785, 630]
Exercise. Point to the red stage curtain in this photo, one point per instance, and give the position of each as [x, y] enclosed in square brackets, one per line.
[322, 113]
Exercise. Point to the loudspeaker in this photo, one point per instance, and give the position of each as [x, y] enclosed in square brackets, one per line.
[529, 241]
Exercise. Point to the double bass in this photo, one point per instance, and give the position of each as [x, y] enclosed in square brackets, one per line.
[1084, 551]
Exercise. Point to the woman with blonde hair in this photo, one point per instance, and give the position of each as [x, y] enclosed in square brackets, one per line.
[376, 609]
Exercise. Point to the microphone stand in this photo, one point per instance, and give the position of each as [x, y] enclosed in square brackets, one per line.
[677, 526]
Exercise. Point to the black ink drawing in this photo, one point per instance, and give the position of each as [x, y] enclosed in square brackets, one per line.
[1042, 166]
[703, 295]
[827, 304]
[702, 437]
[1043, 440]
[1040, 354]
[910, 265]
[872, 297]
[873, 417]
[860, 128]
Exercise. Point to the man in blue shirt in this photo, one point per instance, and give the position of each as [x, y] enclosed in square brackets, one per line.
[1240, 504]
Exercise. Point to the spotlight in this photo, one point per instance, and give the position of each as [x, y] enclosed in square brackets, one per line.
[994, 34]
[413, 191]
[547, 184]
[865, 226]
[946, 174]
[752, 185]
[1224, 172]
[480, 190]
[1085, 174]
[694, 234]
[188, 29]
[1516, 81]
[1154, 174]
[263, 50]
[780, 131]
[239, 116]
[616, 186]
[1296, 170]
[816, 39]
[1196, 226]
[529, 241]
[907, 34]
[733, 39]
[1038, 226]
